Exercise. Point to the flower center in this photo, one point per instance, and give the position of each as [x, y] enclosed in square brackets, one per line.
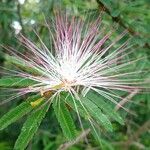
[68, 84]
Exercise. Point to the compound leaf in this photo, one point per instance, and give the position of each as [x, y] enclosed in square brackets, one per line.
[65, 120]
[96, 113]
[30, 127]
[16, 82]
[16, 113]
[105, 107]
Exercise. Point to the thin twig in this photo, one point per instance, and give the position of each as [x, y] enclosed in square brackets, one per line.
[119, 20]
[140, 131]
[126, 99]
[67, 145]
[145, 127]
[116, 19]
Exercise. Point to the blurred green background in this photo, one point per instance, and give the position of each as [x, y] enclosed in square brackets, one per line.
[133, 15]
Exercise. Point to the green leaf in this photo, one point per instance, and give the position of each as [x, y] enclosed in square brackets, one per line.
[105, 107]
[96, 134]
[106, 3]
[65, 120]
[112, 6]
[30, 127]
[16, 82]
[5, 146]
[75, 105]
[16, 113]
[96, 113]
[22, 65]
[106, 145]
[91, 110]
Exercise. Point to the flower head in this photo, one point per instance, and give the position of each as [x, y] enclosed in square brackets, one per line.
[78, 61]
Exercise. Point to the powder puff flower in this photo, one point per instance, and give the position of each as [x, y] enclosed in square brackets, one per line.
[82, 58]
[79, 59]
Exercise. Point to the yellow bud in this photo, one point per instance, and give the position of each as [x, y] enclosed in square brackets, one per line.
[59, 86]
[37, 102]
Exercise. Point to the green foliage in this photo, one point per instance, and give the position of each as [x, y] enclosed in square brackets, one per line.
[30, 126]
[97, 114]
[94, 106]
[131, 15]
[16, 82]
[65, 120]
[105, 107]
[75, 105]
[4, 146]
[16, 113]
[19, 64]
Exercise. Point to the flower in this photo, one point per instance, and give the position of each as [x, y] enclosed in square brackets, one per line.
[79, 60]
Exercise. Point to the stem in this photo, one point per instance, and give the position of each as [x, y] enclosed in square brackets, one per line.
[119, 20]
[78, 139]
[126, 99]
